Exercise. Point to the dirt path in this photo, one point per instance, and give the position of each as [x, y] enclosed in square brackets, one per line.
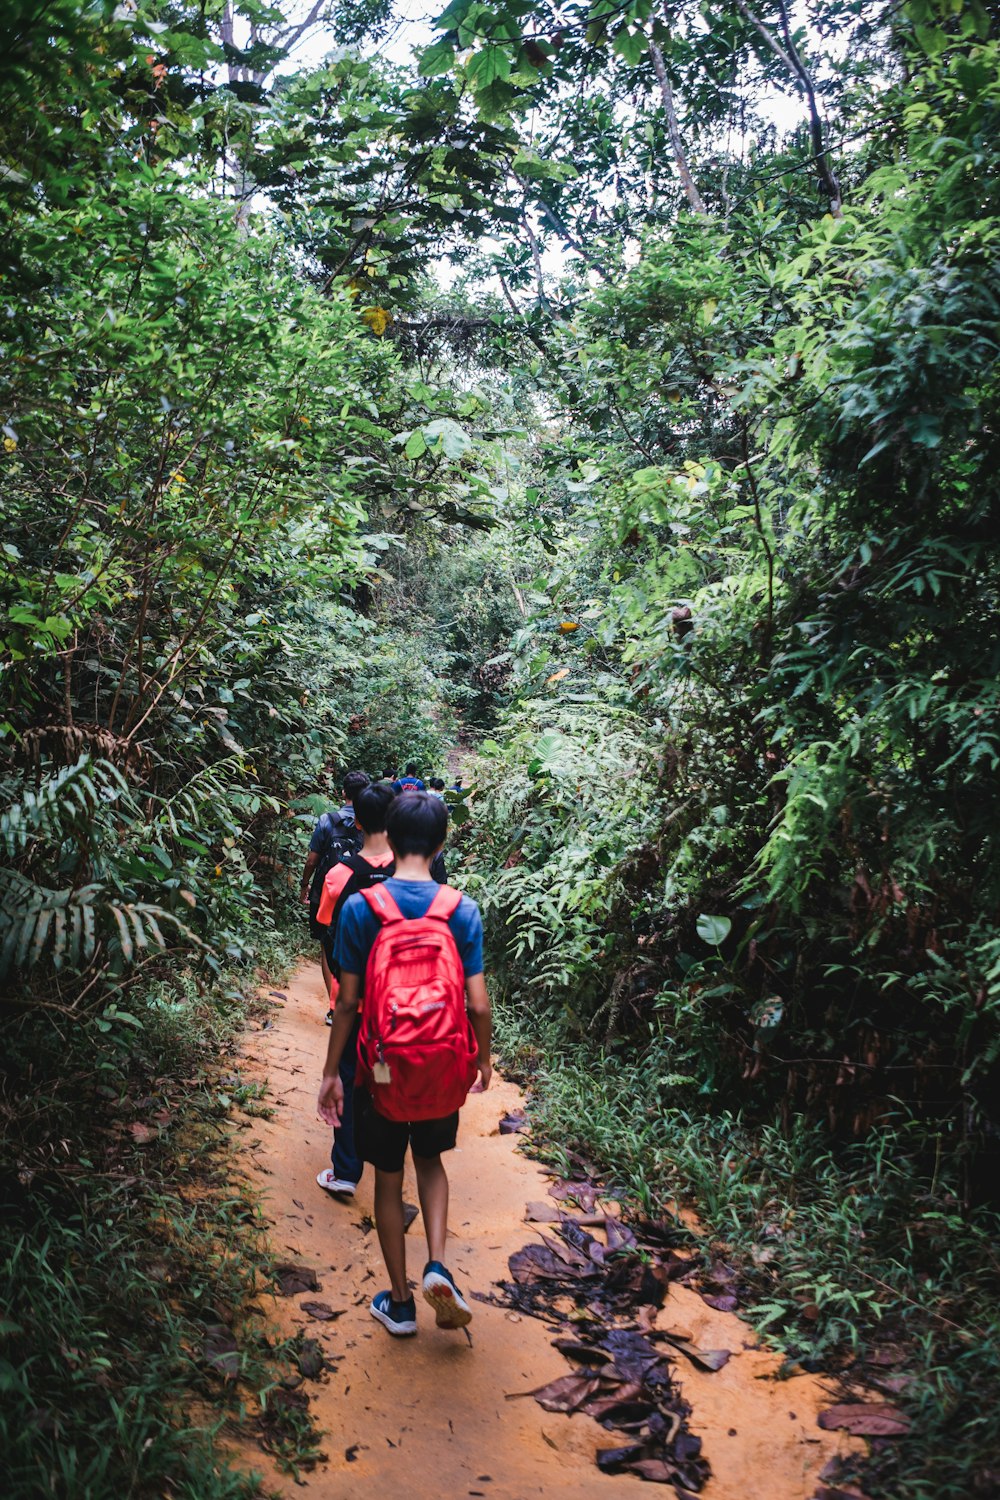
[428, 1417]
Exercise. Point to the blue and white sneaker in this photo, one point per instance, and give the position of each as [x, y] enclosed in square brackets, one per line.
[399, 1317]
[450, 1308]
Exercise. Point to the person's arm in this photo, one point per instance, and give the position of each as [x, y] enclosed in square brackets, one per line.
[312, 860]
[330, 1103]
[477, 1003]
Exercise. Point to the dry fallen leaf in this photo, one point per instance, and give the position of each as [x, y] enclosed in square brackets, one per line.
[321, 1311]
[865, 1419]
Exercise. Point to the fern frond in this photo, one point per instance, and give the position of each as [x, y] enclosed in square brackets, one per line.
[64, 927]
[62, 804]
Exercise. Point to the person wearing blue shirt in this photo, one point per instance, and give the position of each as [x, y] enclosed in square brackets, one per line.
[409, 781]
[416, 825]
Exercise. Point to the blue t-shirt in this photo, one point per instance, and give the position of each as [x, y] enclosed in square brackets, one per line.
[359, 926]
[408, 784]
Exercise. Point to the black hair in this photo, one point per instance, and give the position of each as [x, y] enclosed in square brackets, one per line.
[388, 774]
[370, 807]
[353, 783]
[416, 824]
[411, 770]
[437, 783]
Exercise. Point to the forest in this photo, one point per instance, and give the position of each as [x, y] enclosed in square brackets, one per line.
[597, 396]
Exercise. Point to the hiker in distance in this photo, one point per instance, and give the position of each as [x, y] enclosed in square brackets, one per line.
[409, 781]
[373, 864]
[415, 951]
[334, 835]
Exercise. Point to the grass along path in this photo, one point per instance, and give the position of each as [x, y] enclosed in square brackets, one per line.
[427, 1417]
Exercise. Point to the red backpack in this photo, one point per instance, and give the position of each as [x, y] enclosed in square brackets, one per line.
[417, 1052]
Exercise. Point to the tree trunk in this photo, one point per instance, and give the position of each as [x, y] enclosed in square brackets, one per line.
[673, 130]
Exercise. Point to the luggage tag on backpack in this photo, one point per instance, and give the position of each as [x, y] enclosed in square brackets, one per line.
[382, 1073]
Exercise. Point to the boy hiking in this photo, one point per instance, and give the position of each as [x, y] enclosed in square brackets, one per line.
[415, 949]
[333, 835]
[355, 872]
[409, 782]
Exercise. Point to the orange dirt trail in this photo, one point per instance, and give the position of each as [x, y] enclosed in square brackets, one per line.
[427, 1418]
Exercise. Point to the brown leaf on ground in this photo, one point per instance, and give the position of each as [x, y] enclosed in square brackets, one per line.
[634, 1356]
[723, 1302]
[583, 1243]
[541, 1213]
[620, 1237]
[665, 1233]
[220, 1351]
[586, 1354]
[545, 1213]
[613, 1460]
[634, 1282]
[410, 1213]
[645, 1318]
[567, 1253]
[654, 1470]
[292, 1279]
[629, 1403]
[567, 1394]
[143, 1135]
[321, 1312]
[514, 1123]
[310, 1359]
[705, 1359]
[583, 1193]
[865, 1419]
[535, 1261]
[886, 1354]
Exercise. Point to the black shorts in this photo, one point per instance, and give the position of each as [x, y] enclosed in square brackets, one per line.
[383, 1142]
[320, 932]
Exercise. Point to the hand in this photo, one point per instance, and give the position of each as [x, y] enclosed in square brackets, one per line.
[304, 895]
[482, 1083]
[330, 1103]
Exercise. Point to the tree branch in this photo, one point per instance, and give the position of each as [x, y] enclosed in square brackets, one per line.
[673, 130]
[789, 56]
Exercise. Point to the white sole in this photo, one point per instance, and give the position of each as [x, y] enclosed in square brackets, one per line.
[450, 1308]
[337, 1188]
[398, 1330]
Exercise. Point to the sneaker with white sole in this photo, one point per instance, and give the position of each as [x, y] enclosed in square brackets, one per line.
[399, 1317]
[450, 1308]
[333, 1184]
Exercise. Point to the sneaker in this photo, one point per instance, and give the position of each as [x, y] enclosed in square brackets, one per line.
[334, 1184]
[329, 1018]
[399, 1317]
[450, 1307]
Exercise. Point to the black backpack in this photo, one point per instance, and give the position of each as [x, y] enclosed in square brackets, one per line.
[342, 836]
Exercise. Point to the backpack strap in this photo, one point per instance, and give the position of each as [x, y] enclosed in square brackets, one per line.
[446, 902]
[382, 904]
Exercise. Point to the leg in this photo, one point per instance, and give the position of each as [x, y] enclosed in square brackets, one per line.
[344, 1157]
[432, 1188]
[327, 976]
[389, 1223]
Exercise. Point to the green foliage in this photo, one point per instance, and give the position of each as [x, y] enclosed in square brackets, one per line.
[860, 1257]
[125, 1240]
[685, 492]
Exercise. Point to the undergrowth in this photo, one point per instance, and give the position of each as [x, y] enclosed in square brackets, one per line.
[852, 1258]
[132, 1253]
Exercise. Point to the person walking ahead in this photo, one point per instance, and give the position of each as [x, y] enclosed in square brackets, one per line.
[355, 872]
[409, 781]
[334, 835]
[416, 949]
